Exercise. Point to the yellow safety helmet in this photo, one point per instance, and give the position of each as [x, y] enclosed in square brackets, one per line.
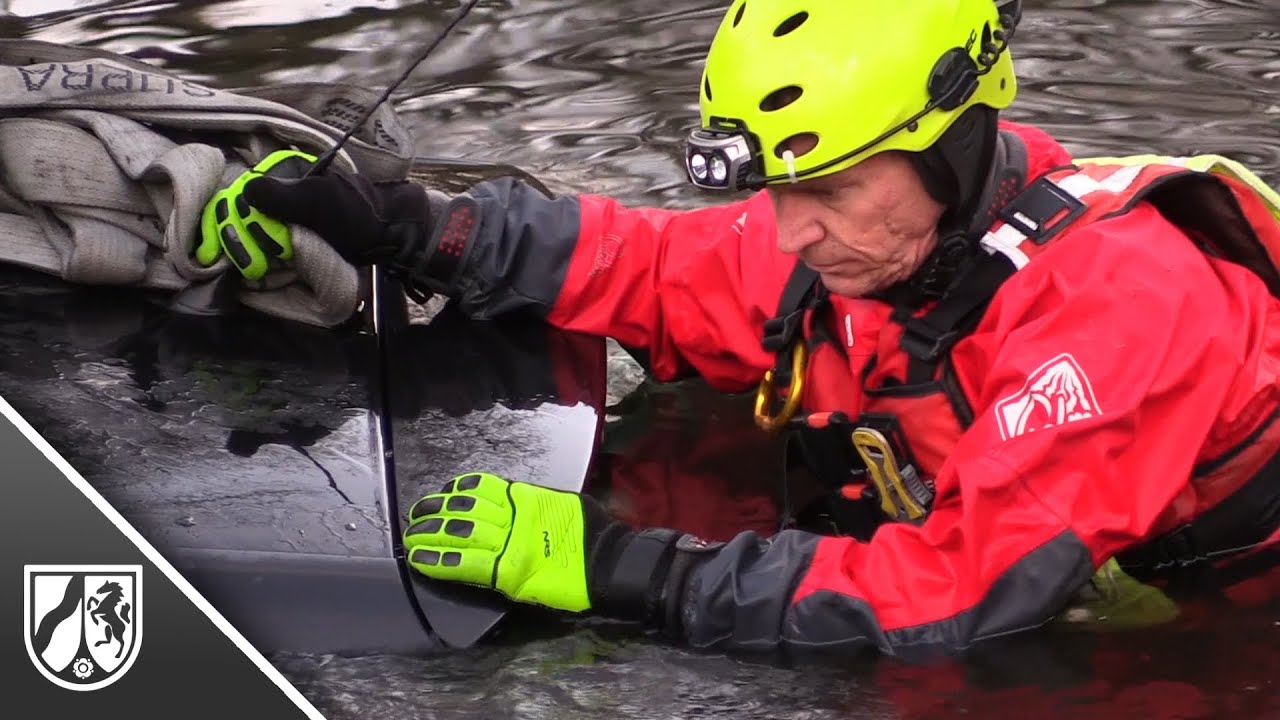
[859, 77]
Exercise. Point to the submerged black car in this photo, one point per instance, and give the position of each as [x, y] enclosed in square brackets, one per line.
[270, 461]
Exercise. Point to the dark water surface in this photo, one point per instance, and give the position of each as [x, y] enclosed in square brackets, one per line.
[597, 95]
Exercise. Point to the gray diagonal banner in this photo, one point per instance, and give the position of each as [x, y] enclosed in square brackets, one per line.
[109, 628]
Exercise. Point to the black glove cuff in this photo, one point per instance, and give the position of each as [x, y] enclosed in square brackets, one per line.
[630, 587]
[639, 576]
[690, 553]
[437, 266]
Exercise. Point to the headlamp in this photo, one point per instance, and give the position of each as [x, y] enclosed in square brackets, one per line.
[729, 160]
[719, 160]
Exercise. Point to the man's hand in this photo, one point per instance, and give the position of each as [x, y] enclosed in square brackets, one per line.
[528, 542]
[255, 243]
[552, 548]
[366, 222]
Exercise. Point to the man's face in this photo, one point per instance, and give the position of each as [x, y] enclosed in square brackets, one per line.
[863, 228]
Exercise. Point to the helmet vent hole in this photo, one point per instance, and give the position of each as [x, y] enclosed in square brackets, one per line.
[791, 24]
[799, 144]
[738, 17]
[781, 98]
[706, 86]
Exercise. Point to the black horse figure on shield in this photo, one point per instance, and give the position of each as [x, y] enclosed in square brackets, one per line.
[105, 609]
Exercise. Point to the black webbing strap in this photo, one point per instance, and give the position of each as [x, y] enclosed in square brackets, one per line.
[926, 339]
[1243, 519]
[635, 578]
[782, 329]
[1040, 211]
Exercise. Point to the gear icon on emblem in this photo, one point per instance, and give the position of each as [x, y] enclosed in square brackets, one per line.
[82, 667]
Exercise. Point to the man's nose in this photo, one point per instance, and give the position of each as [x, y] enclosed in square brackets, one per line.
[797, 229]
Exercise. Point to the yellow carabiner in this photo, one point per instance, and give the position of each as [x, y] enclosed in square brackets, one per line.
[765, 393]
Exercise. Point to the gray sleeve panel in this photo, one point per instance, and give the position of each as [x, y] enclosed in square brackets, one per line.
[522, 251]
[742, 599]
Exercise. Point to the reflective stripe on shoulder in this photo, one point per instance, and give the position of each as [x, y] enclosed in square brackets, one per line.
[1007, 239]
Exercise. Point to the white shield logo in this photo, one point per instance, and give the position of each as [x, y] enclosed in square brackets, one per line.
[1056, 393]
[82, 623]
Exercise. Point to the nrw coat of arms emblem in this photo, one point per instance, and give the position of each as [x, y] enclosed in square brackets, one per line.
[83, 623]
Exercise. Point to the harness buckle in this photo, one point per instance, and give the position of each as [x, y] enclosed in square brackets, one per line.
[781, 330]
[765, 418]
[1177, 548]
[1042, 210]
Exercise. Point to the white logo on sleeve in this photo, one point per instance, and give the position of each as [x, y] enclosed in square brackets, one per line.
[1055, 393]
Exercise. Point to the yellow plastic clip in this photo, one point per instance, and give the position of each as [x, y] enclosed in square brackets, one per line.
[765, 393]
[895, 500]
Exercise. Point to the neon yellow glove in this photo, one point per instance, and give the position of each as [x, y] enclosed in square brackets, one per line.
[547, 547]
[254, 242]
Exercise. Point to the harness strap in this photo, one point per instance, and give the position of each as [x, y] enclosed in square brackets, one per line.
[1039, 212]
[926, 339]
[1244, 519]
[781, 330]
